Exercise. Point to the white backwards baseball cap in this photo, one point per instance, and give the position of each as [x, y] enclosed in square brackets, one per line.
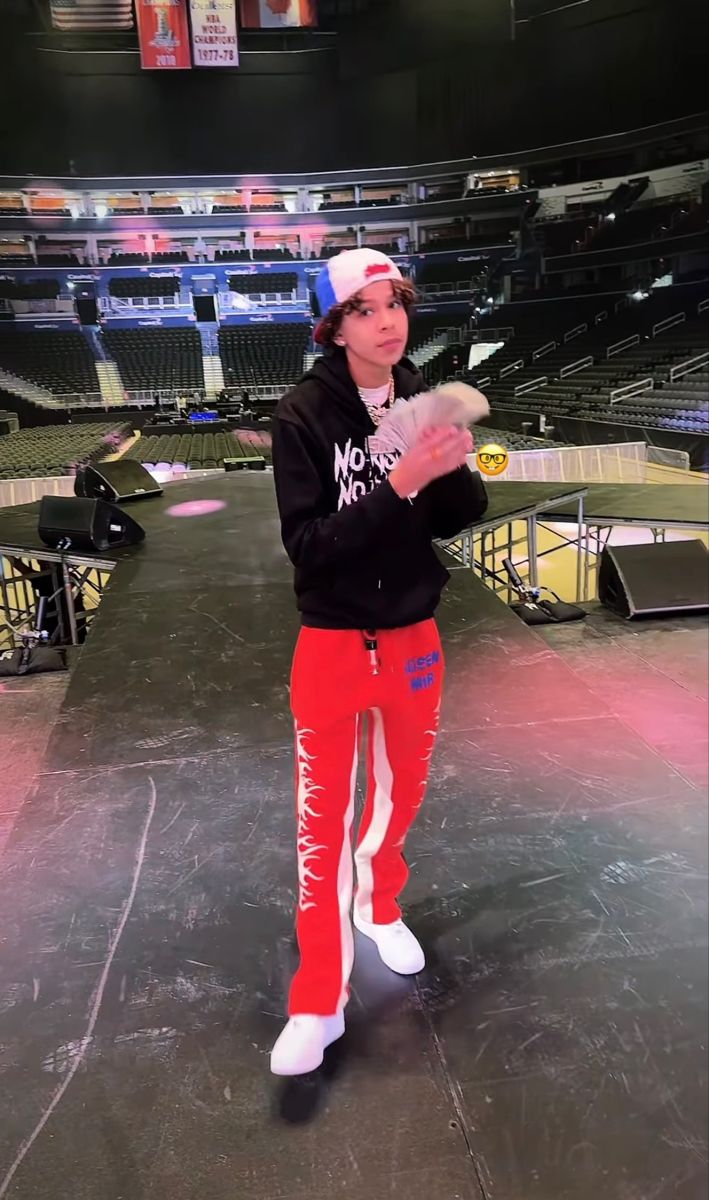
[347, 273]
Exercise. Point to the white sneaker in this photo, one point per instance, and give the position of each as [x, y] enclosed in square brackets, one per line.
[302, 1044]
[398, 948]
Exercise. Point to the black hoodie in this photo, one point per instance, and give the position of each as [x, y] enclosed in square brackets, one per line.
[363, 557]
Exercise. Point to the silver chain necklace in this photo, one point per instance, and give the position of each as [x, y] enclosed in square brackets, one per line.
[377, 411]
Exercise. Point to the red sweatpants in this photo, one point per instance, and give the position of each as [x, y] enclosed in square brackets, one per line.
[336, 681]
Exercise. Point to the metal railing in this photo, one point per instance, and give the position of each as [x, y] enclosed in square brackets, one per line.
[501, 334]
[600, 316]
[76, 400]
[632, 389]
[575, 332]
[703, 306]
[531, 385]
[545, 349]
[689, 365]
[625, 344]
[668, 323]
[572, 368]
[515, 366]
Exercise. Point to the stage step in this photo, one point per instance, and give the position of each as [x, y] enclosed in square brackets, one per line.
[110, 382]
[213, 375]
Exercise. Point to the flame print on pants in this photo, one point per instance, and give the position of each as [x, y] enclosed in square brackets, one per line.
[309, 848]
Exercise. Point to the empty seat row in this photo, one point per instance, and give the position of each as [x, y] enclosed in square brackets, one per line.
[57, 449]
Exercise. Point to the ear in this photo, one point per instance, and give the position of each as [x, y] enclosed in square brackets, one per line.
[339, 340]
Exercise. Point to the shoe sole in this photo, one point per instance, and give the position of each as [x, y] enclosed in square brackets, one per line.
[308, 1068]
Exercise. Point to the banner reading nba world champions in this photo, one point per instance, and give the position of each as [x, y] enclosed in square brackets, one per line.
[214, 42]
[164, 35]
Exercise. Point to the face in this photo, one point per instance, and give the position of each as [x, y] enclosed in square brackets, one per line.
[376, 332]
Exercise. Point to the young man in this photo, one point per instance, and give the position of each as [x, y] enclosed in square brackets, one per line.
[358, 527]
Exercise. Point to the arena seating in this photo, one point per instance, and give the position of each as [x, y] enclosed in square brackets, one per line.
[587, 392]
[564, 236]
[511, 440]
[166, 210]
[330, 251]
[57, 260]
[422, 328]
[197, 451]
[57, 449]
[60, 362]
[279, 283]
[171, 256]
[127, 260]
[459, 278]
[164, 285]
[636, 225]
[273, 254]
[260, 355]
[156, 358]
[38, 289]
[449, 364]
[232, 256]
[644, 223]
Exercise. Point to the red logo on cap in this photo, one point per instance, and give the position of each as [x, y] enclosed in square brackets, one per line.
[377, 269]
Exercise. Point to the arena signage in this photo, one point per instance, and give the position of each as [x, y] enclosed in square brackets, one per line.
[214, 40]
[163, 34]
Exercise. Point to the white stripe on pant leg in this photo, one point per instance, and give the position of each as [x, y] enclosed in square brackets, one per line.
[345, 877]
[382, 810]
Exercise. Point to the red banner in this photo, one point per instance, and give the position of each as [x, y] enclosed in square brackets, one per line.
[164, 35]
[277, 14]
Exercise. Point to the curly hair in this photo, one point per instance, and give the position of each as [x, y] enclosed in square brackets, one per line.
[328, 328]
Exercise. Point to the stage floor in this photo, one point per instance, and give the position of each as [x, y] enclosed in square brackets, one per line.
[555, 1047]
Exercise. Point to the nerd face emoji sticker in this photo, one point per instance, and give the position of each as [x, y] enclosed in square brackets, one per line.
[492, 459]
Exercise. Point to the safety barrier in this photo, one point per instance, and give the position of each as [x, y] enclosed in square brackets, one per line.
[689, 365]
[668, 323]
[531, 385]
[572, 368]
[515, 366]
[545, 349]
[625, 344]
[632, 389]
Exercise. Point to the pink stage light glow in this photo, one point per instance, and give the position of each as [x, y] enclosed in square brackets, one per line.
[196, 508]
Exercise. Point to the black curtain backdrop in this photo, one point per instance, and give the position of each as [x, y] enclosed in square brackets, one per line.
[383, 94]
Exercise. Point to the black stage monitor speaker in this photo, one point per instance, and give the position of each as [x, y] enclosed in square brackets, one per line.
[80, 524]
[663, 577]
[252, 462]
[123, 479]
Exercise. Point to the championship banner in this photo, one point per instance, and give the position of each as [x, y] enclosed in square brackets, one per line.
[74, 15]
[277, 14]
[163, 33]
[214, 42]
